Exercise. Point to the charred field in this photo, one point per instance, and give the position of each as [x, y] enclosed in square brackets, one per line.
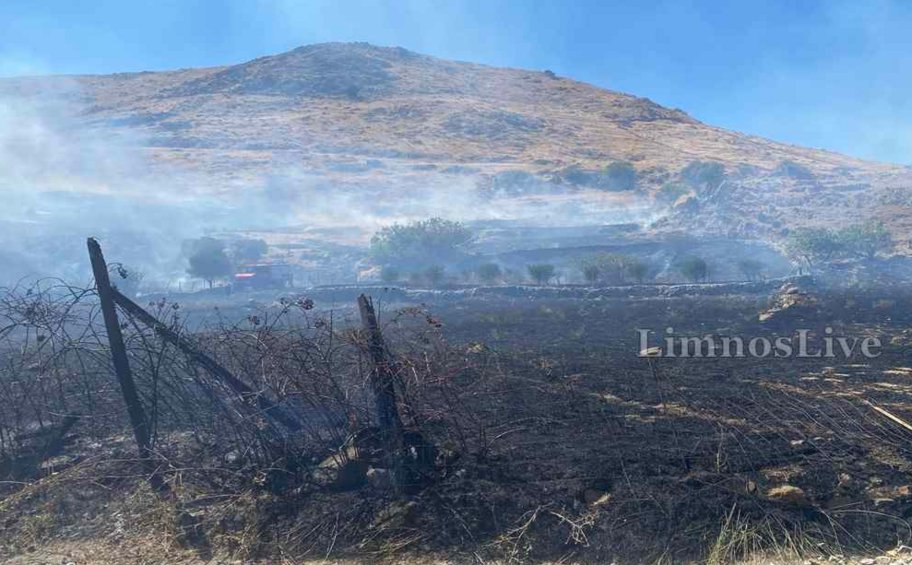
[546, 437]
[366, 305]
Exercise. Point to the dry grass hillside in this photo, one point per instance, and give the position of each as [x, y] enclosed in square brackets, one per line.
[357, 113]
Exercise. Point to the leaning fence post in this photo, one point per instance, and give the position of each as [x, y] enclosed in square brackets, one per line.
[119, 357]
[383, 385]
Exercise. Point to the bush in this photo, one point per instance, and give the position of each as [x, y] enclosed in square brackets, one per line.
[620, 175]
[541, 273]
[794, 170]
[694, 269]
[704, 174]
[433, 238]
[671, 191]
[489, 273]
[516, 183]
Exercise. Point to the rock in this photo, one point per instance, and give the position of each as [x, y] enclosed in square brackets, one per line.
[341, 473]
[789, 495]
[379, 479]
[595, 497]
[395, 516]
[845, 481]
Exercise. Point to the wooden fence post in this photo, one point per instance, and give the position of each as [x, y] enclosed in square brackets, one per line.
[383, 385]
[138, 420]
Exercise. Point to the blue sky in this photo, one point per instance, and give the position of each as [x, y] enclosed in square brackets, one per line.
[831, 74]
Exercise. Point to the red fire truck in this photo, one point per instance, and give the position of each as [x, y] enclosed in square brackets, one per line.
[263, 276]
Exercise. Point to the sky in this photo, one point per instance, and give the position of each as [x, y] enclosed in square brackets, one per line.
[831, 74]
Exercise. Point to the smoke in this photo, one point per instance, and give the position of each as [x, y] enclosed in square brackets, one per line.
[62, 180]
[66, 175]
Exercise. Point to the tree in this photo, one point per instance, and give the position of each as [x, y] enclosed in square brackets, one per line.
[614, 267]
[248, 250]
[620, 175]
[750, 268]
[434, 238]
[694, 269]
[541, 273]
[208, 260]
[813, 245]
[638, 270]
[489, 273]
[591, 272]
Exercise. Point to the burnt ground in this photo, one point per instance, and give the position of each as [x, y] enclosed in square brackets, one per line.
[564, 446]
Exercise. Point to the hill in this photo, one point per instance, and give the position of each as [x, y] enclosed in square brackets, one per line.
[361, 117]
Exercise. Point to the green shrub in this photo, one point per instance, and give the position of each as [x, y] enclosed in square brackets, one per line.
[865, 240]
[541, 273]
[671, 191]
[704, 174]
[795, 170]
[694, 269]
[489, 273]
[620, 175]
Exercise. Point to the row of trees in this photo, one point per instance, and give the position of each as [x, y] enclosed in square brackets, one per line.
[402, 248]
[604, 269]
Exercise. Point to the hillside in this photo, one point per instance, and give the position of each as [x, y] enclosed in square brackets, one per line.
[357, 116]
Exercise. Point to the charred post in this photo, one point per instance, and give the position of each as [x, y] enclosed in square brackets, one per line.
[137, 416]
[384, 389]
